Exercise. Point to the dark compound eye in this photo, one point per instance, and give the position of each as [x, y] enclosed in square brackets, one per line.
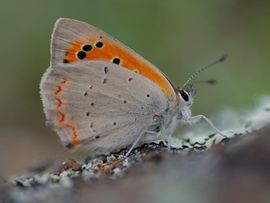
[184, 95]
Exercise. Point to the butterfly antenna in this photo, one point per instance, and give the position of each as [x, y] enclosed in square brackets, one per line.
[196, 73]
[209, 82]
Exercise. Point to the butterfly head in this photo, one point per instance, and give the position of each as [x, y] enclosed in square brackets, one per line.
[187, 94]
[188, 91]
[186, 97]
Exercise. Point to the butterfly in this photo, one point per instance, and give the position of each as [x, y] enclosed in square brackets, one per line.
[100, 95]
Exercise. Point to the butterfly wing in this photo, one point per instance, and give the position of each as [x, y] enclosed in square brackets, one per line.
[99, 93]
[99, 104]
[74, 41]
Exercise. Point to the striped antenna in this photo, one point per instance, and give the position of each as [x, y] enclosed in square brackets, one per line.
[196, 73]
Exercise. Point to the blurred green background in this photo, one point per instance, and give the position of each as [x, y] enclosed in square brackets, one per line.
[177, 36]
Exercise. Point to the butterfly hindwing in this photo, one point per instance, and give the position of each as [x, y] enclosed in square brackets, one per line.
[96, 104]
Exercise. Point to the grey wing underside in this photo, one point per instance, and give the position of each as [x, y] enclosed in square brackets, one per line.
[107, 105]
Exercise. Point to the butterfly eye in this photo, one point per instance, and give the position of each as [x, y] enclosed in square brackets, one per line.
[184, 95]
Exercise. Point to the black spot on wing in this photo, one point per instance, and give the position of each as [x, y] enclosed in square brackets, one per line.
[99, 44]
[81, 55]
[116, 60]
[87, 47]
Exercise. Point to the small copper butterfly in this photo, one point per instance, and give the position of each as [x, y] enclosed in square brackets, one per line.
[100, 94]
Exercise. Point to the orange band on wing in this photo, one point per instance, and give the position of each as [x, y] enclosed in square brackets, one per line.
[110, 51]
[62, 118]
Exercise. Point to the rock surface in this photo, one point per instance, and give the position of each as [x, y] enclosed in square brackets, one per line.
[234, 171]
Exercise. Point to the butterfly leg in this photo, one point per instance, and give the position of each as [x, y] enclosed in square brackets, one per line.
[138, 139]
[200, 117]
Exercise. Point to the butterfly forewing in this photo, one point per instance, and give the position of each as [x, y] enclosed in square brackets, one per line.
[74, 41]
